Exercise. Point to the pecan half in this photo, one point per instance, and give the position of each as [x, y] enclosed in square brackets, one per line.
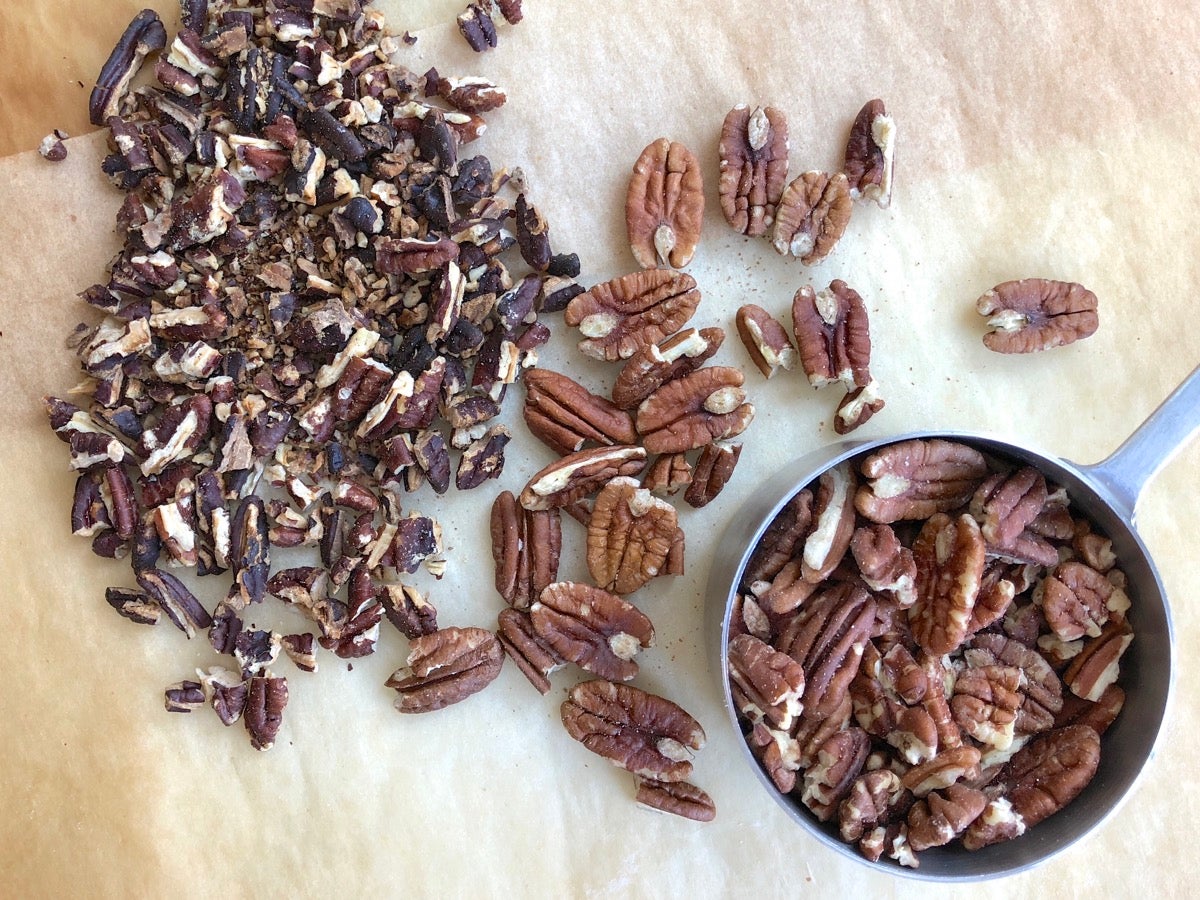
[635, 730]
[144, 35]
[812, 216]
[714, 468]
[985, 703]
[575, 476]
[703, 406]
[1096, 667]
[1050, 771]
[525, 547]
[621, 316]
[565, 415]
[915, 479]
[596, 630]
[664, 205]
[266, 697]
[871, 154]
[875, 798]
[948, 767]
[767, 685]
[1006, 504]
[678, 798]
[655, 364]
[780, 541]
[1037, 314]
[939, 818]
[766, 340]
[839, 761]
[833, 334]
[832, 523]
[950, 556]
[884, 563]
[629, 535]
[533, 656]
[446, 667]
[1077, 601]
[1041, 687]
[754, 160]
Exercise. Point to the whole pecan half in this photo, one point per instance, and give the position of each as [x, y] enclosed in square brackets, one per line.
[655, 364]
[1037, 314]
[596, 630]
[812, 216]
[714, 468]
[446, 667]
[619, 317]
[884, 563]
[680, 798]
[266, 697]
[985, 703]
[702, 406]
[525, 547]
[1077, 600]
[1050, 771]
[939, 818]
[629, 535]
[765, 338]
[565, 415]
[871, 154]
[780, 541]
[1007, 503]
[575, 476]
[832, 523]
[767, 685]
[839, 761]
[633, 729]
[950, 556]
[533, 656]
[875, 798]
[915, 479]
[1041, 686]
[754, 161]
[664, 205]
[1096, 667]
[833, 334]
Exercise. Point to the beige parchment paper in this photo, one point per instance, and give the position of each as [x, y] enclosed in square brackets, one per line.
[1035, 139]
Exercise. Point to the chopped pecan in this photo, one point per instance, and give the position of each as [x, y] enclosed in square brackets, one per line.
[136, 606]
[621, 316]
[714, 468]
[664, 205]
[812, 216]
[52, 147]
[266, 697]
[596, 630]
[180, 604]
[565, 415]
[446, 667]
[1077, 600]
[949, 555]
[183, 696]
[703, 406]
[939, 818]
[533, 656]
[227, 692]
[768, 685]
[301, 650]
[754, 160]
[766, 340]
[482, 459]
[655, 364]
[779, 754]
[409, 610]
[477, 28]
[916, 478]
[635, 730]
[679, 798]
[1037, 314]
[857, 408]
[998, 822]
[580, 474]
[833, 335]
[871, 154]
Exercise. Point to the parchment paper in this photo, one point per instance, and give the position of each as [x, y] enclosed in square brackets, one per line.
[1034, 140]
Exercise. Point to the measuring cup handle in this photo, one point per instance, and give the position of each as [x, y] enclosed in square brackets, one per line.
[1167, 430]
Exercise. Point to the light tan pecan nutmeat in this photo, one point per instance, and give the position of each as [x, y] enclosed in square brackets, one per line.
[701, 407]
[1077, 601]
[840, 759]
[714, 468]
[1096, 667]
[950, 557]
[646, 734]
[446, 667]
[754, 161]
[916, 478]
[526, 545]
[884, 563]
[578, 475]
[942, 816]
[596, 630]
[766, 340]
[1037, 314]
[534, 657]
[767, 685]
[679, 798]
[812, 216]
[619, 317]
[668, 474]
[875, 798]
[664, 205]
[870, 155]
[833, 523]
[833, 334]
[1050, 771]
[655, 364]
[629, 536]
[565, 415]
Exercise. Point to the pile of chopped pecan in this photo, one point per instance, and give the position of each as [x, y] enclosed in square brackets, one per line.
[315, 311]
[925, 648]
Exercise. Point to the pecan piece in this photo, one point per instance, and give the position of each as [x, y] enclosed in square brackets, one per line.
[678, 798]
[183, 696]
[1077, 601]
[565, 415]
[1042, 687]
[985, 703]
[857, 408]
[635, 730]
[266, 697]
[998, 822]
[915, 479]
[767, 685]
[812, 216]
[833, 334]
[1006, 504]
[409, 610]
[1050, 771]
[875, 798]
[630, 533]
[577, 475]
[754, 160]
[136, 606]
[144, 35]
[778, 753]
[619, 317]
[884, 563]
[664, 205]
[950, 556]
[52, 147]
[780, 541]
[1096, 667]
[1098, 714]
[533, 656]
[655, 364]
[766, 340]
[446, 667]
[939, 818]
[832, 523]
[482, 459]
[713, 471]
[596, 630]
[827, 782]
[945, 769]
[180, 604]
[871, 154]
[667, 474]
[703, 406]
[1037, 314]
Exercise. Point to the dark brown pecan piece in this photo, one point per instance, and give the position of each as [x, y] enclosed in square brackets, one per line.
[871, 154]
[766, 684]
[1077, 601]
[915, 479]
[136, 606]
[482, 459]
[52, 147]
[621, 316]
[446, 667]
[833, 334]
[183, 697]
[629, 535]
[227, 692]
[301, 650]
[714, 468]
[655, 364]
[251, 546]
[939, 818]
[950, 557]
[596, 630]
[664, 205]
[398, 256]
[679, 798]
[812, 216]
[635, 730]
[667, 474]
[144, 35]
[998, 822]
[766, 340]
[1037, 314]
[409, 610]
[266, 697]
[580, 474]
[827, 782]
[754, 160]
[180, 604]
[703, 406]
[565, 415]
[533, 656]
[781, 540]
[477, 28]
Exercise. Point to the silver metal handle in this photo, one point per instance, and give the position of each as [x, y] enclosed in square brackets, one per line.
[1168, 429]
